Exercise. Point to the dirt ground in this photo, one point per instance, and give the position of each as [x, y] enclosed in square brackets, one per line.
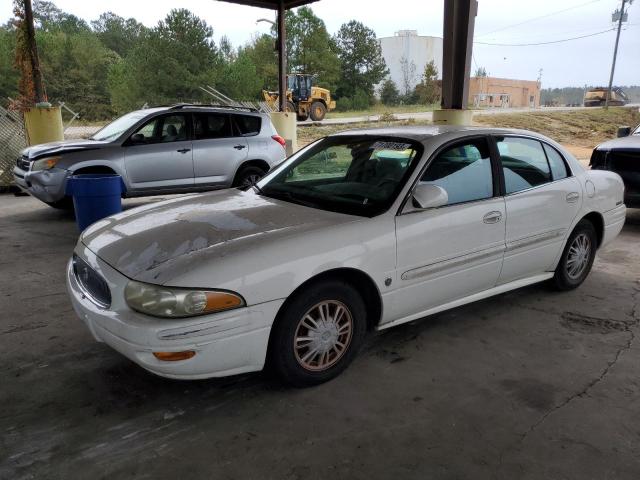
[533, 384]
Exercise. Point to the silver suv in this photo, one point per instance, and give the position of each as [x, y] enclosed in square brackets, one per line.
[182, 148]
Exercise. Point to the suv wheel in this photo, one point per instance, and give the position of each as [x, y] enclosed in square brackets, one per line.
[248, 176]
[577, 257]
[318, 334]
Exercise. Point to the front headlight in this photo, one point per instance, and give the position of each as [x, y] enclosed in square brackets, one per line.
[45, 163]
[171, 302]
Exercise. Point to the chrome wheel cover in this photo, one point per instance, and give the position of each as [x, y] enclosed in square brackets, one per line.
[323, 335]
[578, 256]
[251, 180]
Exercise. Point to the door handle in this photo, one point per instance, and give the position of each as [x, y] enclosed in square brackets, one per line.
[492, 217]
[184, 150]
[239, 147]
[573, 197]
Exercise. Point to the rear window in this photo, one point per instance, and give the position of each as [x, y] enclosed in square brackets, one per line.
[248, 125]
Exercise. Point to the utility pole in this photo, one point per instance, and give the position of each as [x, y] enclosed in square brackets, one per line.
[615, 53]
[30, 37]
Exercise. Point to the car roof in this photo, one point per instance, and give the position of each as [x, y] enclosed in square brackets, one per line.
[426, 132]
[199, 108]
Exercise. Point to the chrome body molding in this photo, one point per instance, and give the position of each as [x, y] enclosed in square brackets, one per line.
[452, 263]
[538, 238]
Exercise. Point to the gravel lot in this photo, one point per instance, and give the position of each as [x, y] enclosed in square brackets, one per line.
[531, 384]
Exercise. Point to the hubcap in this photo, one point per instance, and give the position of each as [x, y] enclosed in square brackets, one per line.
[578, 256]
[323, 335]
[251, 180]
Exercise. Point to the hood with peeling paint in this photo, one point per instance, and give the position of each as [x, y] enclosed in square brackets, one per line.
[156, 242]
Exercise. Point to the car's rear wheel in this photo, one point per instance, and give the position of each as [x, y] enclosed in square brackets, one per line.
[248, 176]
[577, 257]
[318, 334]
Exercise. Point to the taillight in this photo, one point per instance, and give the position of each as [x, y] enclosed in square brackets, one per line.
[280, 140]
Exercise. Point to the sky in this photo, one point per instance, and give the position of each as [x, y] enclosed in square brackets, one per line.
[585, 61]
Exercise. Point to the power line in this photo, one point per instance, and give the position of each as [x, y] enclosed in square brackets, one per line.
[538, 18]
[544, 43]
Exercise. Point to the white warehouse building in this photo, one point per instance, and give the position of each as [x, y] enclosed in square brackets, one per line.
[407, 53]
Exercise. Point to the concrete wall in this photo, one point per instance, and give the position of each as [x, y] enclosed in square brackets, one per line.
[503, 92]
[418, 50]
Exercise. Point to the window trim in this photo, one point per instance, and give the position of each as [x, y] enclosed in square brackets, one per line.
[497, 152]
[495, 173]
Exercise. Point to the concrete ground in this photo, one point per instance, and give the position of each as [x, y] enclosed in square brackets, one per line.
[532, 384]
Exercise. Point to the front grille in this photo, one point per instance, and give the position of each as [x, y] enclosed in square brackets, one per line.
[91, 283]
[23, 163]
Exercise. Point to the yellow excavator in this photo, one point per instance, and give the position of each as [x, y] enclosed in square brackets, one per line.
[303, 98]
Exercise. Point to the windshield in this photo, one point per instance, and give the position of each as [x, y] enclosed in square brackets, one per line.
[358, 175]
[118, 126]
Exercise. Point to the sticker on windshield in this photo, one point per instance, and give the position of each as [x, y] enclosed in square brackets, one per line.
[391, 146]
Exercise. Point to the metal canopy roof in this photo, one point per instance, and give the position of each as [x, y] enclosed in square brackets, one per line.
[272, 4]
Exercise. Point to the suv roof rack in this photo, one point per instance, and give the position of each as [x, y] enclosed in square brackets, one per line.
[178, 106]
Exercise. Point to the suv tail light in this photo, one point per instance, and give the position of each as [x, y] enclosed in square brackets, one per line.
[280, 140]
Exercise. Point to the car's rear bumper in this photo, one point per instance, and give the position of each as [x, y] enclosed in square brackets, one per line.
[46, 185]
[613, 223]
[226, 343]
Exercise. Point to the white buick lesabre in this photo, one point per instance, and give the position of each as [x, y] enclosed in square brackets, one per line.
[358, 231]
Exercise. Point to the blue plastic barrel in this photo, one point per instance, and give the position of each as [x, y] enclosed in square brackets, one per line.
[95, 196]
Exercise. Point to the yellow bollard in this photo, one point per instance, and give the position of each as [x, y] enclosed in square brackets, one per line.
[43, 125]
[287, 128]
[452, 117]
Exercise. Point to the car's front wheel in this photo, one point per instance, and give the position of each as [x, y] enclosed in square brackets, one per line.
[318, 334]
[577, 257]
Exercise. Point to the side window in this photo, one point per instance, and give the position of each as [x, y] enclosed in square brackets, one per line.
[172, 128]
[464, 171]
[248, 125]
[558, 166]
[211, 125]
[524, 163]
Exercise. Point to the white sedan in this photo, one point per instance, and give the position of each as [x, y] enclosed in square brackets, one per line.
[358, 231]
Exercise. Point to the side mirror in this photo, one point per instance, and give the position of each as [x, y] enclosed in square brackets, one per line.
[624, 131]
[427, 195]
[137, 139]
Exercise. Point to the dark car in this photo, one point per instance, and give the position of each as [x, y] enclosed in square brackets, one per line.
[622, 156]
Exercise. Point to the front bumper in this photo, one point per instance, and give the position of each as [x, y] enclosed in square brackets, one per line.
[46, 185]
[226, 343]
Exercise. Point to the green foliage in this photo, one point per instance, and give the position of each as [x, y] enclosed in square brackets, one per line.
[117, 33]
[75, 69]
[428, 90]
[50, 18]
[168, 64]
[389, 94]
[263, 55]
[8, 72]
[480, 72]
[363, 66]
[239, 79]
[310, 48]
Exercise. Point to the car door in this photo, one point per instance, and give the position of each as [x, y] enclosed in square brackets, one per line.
[542, 199]
[453, 251]
[218, 148]
[159, 154]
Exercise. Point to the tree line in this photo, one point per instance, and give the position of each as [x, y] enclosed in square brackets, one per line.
[113, 64]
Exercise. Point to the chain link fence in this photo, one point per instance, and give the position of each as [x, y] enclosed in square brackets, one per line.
[12, 141]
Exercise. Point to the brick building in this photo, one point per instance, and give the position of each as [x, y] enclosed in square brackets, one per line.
[503, 92]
